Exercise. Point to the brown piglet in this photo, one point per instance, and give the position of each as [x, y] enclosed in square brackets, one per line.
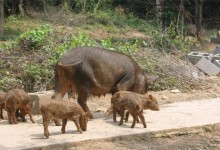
[18, 99]
[62, 109]
[134, 103]
[2, 104]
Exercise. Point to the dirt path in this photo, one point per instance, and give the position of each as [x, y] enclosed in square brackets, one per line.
[196, 138]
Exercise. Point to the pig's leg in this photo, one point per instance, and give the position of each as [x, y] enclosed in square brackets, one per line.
[64, 122]
[142, 119]
[125, 83]
[13, 114]
[82, 100]
[46, 122]
[9, 116]
[122, 111]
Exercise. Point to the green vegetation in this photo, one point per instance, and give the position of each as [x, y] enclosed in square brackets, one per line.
[33, 46]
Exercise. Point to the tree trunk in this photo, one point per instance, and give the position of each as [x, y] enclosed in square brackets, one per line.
[198, 18]
[182, 20]
[1, 17]
[21, 8]
[159, 7]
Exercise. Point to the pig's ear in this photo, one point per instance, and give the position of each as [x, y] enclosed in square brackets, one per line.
[70, 67]
[151, 78]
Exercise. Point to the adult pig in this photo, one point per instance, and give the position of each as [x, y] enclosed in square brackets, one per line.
[97, 71]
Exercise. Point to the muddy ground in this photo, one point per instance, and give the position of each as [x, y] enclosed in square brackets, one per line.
[198, 138]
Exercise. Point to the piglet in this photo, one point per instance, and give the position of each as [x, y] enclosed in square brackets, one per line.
[134, 103]
[18, 99]
[62, 109]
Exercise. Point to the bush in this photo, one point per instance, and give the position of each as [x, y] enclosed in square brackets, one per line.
[35, 38]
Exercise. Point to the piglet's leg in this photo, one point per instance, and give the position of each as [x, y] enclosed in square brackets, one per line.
[45, 124]
[114, 115]
[142, 119]
[75, 119]
[64, 125]
[134, 121]
[122, 116]
[127, 116]
[31, 117]
[1, 112]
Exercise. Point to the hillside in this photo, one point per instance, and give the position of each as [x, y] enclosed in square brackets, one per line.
[37, 41]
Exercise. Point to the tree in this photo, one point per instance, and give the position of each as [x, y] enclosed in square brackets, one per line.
[1, 17]
[198, 18]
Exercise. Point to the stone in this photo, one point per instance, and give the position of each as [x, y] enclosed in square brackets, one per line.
[207, 67]
[175, 91]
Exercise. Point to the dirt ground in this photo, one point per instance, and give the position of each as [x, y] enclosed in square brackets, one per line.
[209, 87]
[198, 138]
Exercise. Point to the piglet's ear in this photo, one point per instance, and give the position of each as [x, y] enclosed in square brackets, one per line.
[150, 96]
[86, 115]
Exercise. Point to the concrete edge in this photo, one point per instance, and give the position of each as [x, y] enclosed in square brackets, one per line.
[151, 134]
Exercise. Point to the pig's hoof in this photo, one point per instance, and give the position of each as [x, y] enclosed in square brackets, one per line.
[63, 131]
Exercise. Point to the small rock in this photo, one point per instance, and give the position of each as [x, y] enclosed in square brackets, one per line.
[164, 97]
[175, 91]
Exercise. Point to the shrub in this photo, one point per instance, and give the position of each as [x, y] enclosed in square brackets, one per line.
[34, 38]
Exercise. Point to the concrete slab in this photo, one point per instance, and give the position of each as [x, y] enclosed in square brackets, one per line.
[171, 116]
[194, 57]
[217, 62]
[207, 67]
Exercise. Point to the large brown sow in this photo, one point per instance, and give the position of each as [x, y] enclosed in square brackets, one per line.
[97, 71]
